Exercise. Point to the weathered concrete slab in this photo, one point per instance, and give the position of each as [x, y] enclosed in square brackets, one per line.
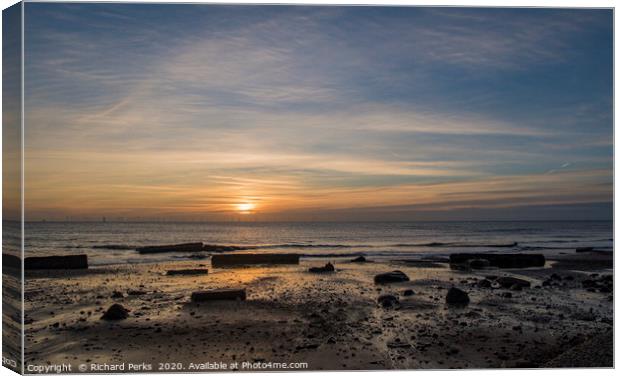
[185, 247]
[218, 294]
[187, 272]
[56, 262]
[240, 259]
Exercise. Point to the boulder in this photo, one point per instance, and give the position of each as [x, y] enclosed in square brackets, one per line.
[56, 262]
[457, 297]
[408, 293]
[218, 294]
[359, 259]
[508, 282]
[501, 260]
[187, 272]
[115, 312]
[240, 259]
[328, 268]
[391, 277]
[388, 301]
[484, 283]
[185, 247]
[479, 263]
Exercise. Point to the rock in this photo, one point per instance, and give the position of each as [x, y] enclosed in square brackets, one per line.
[508, 282]
[57, 262]
[584, 249]
[484, 283]
[231, 260]
[479, 263]
[408, 292]
[218, 294]
[391, 277]
[136, 292]
[185, 247]
[506, 295]
[359, 259]
[457, 297]
[187, 272]
[117, 295]
[116, 312]
[516, 287]
[501, 260]
[328, 268]
[388, 301]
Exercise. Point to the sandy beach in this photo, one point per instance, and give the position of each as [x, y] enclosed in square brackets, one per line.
[330, 321]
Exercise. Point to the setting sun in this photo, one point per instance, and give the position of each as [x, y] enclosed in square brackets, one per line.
[245, 207]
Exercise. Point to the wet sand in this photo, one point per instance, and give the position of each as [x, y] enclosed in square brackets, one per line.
[330, 321]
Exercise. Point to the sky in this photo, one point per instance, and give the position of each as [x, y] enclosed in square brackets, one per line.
[205, 112]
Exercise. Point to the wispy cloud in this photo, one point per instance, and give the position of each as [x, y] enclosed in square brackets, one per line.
[296, 109]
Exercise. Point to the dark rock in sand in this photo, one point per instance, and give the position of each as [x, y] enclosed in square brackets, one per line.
[508, 282]
[229, 260]
[187, 272]
[457, 297]
[484, 283]
[185, 247]
[584, 249]
[57, 262]
[391, 277]
[218, 294]
[501, 260]
[388, 301]
[117, 295]
[408, 293]
[116, 312]
[136, 292]
[479, 263]
[359, 259]
[328, 268]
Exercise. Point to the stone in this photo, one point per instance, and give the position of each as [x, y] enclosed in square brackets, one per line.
[218, 294]
[408, 293]
[388, 301]
[56, 262]
[391, 277]
[508, 282]
[185, 247]
[457, 297]
[240, 259]
[484, 283]
[115, 312]
[359, 259]
[501, 260]
[479, 263]
[328, 268]
[187, 272]
[584, 249]
[117, 295]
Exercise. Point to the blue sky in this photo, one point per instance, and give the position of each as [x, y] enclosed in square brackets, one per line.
[318, 112]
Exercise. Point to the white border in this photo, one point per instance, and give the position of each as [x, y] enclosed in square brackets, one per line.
[471, 3]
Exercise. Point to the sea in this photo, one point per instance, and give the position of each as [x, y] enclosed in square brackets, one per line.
[108, 243]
